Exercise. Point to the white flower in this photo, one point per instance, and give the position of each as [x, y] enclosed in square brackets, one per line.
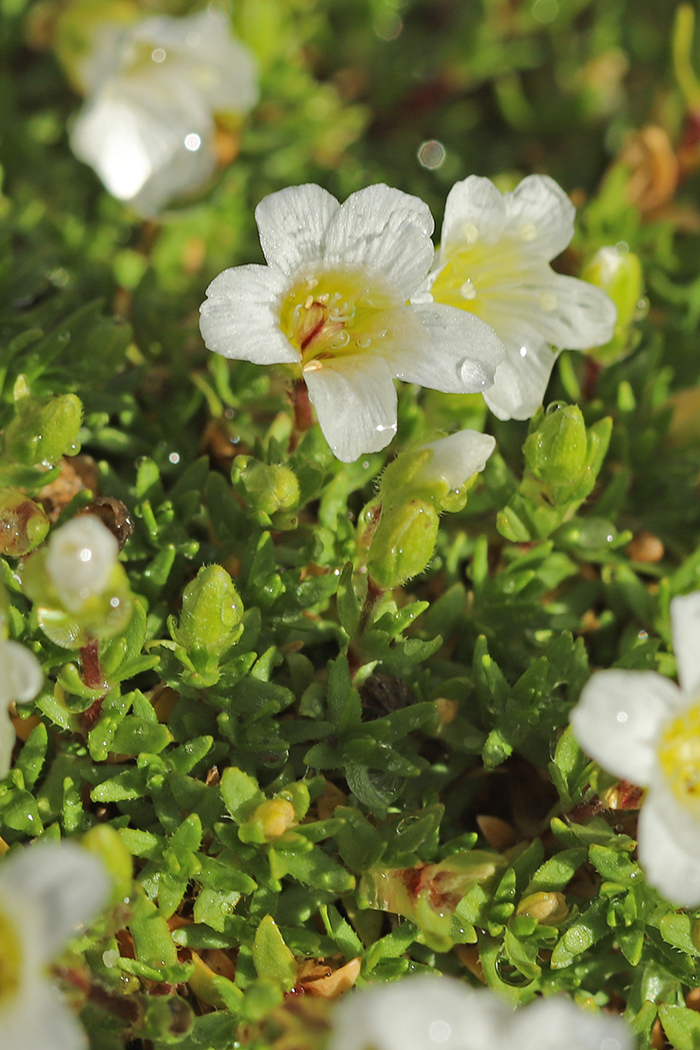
[80, 558]
[47, 893]
[438, 1013]
[494, 261]
[334, 300]
[147, 126]
[643, 728]
[20, 681]
[456, 457]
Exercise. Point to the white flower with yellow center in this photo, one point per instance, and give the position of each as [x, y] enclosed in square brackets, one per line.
[153, 87]
[334, 300]
[47, 895]
[641, 727]
[439, 1013]
[494, 261]
[20, 681]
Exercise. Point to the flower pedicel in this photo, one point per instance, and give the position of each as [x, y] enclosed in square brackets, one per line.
[335, 302]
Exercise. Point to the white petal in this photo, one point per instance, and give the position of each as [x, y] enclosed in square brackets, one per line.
[419, 1013]
[457, 353]
[65, 882]
[386, 232]
[669, 865]
[582, 316]
[41, 1021]
[457, 457]
[685, 631]
[201, 51]
[20, 673]
[550, 1024]
[540, 212]
[618, 719]
[240, 318]
[355, 401]
[292, 225]
[474, 211]
[521, 380]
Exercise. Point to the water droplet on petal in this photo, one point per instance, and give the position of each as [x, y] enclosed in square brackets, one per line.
[467, 290]
[523, 351]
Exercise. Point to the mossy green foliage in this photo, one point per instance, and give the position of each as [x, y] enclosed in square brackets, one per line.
[267, 738]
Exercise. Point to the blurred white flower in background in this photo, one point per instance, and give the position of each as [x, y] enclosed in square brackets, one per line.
[20, 681]
[494, 262]
[47, 893]
[644, 728]
[439, 1013]
[79, 561]
[152, 89]
[335, 300]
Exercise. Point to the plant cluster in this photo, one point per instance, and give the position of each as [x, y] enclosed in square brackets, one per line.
[312, 714]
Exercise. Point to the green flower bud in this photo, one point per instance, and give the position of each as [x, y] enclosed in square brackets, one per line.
[271, 819]
[266, 487]
[403, 543]
[23, 523]
[548, 909]
[562, 456]
[43, 431]
[620, 275]
[210, 621]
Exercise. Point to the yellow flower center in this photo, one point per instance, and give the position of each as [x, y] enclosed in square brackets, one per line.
[338, 314]
[478, 276]
[10, 960]
[679, 755]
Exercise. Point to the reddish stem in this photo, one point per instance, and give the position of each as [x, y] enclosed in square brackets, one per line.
[89, 654]
[303, 412]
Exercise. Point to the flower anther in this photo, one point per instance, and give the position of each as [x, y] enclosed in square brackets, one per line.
[494, 262]
[343, 302]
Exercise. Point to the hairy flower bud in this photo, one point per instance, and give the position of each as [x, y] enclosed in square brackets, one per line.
[403, 543]
[211, 612]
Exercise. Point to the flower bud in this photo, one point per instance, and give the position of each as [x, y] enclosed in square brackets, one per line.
[21, 678]
[79, 561]
[269, 821]
[562, 455]
[548, 909]
[211, 612]
[266, 487]
[403, 543]
[77, 584]
[619, 273]
[454, 462]
[23, 523]
[42, 432]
